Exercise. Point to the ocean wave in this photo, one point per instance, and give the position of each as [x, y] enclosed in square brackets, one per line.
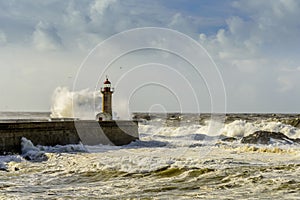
[38, 153]
[4, 160]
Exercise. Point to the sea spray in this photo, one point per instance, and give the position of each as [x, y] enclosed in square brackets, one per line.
[31, 152]
[5, 160]
[166, 163]
[39, 153]
[79, 104]
[241, 128]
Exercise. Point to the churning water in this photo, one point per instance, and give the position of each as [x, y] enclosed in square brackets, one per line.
[175, 158]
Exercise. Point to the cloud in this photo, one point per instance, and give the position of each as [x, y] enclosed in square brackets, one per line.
[45, 37]
[99, 9]
[274, 23]
[87, 24]
[3, 39]
[288, 80]
[265, 28]
[81, 25]
[251, 49]
[251, 41]
[286, 83]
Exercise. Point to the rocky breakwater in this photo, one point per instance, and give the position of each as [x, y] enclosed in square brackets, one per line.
[267, 137]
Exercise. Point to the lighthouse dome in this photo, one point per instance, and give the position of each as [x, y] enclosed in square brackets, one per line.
[106, 81]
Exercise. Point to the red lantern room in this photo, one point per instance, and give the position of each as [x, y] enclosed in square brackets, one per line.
[107, 86]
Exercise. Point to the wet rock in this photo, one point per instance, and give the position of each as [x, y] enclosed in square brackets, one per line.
[267, 137]
[4, 169]
[229, 139]
[297, 140]
[195, 145]
[200, 136]
[293, 122]
[35, 156]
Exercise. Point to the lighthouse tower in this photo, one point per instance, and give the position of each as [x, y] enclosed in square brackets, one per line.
[107, 92]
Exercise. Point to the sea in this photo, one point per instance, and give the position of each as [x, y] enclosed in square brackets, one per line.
[178, 156]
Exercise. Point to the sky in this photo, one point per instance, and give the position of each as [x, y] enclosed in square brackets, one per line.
[254, 45]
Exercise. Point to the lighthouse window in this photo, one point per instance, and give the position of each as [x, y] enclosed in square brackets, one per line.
[106, 85]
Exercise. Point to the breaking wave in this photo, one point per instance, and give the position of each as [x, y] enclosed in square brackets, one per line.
[80, 104]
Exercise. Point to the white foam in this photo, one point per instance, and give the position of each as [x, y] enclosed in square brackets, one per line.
[154, 134]
[80, 104]
[31, 152]
[100, 148]
[38, 153]
[144, 160]
[240, 128]
[63, 148]
[4, 160]
[183, 130]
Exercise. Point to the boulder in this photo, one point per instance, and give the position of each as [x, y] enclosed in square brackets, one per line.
[229, 139]
[267, 137]
[293, 122]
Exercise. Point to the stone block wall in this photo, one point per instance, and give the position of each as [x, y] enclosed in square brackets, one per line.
[66, 132]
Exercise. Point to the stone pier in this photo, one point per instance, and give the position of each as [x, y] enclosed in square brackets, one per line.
[51, 133]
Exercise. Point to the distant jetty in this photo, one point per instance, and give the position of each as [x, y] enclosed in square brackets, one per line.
[60, 131]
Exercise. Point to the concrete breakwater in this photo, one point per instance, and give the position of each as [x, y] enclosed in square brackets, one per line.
[51, 133]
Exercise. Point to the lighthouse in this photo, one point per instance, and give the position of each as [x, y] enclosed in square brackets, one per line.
[107, 92]
[103, 130]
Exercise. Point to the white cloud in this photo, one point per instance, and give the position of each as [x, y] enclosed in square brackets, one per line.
[83, 24]
[252, 49]
[285, 83]
[99, 8]
[270, 28]
[288, 80]
[3, 39]
[184, 23]
[45, 37]
[275, 22]
[250, 42]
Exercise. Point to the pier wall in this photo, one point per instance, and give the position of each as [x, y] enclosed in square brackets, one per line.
[51, 133]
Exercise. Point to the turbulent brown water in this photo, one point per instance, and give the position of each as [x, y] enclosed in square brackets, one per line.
[177, 157]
